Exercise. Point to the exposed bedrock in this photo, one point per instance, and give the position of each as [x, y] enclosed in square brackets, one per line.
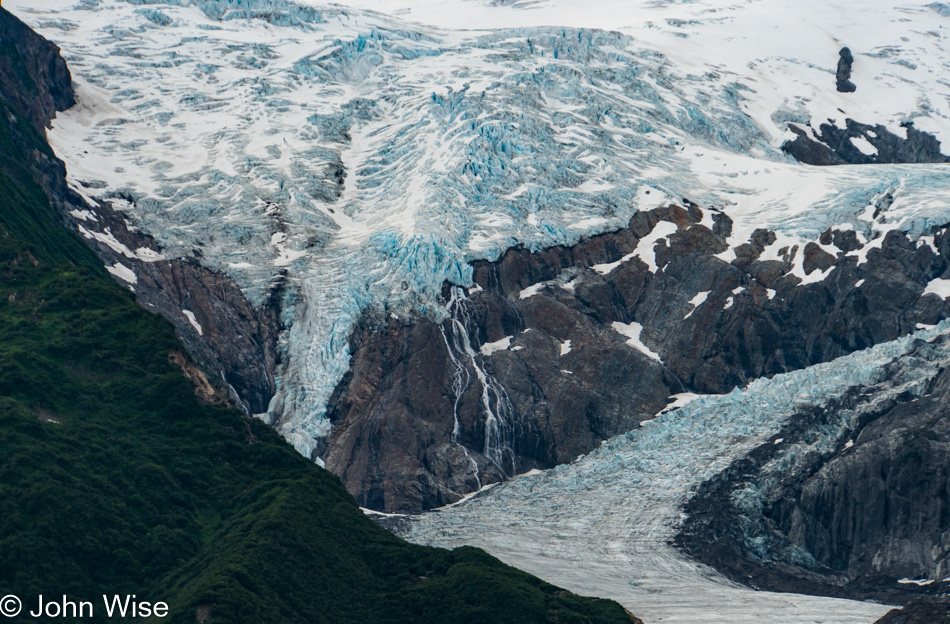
[868, 518]
[551, 352]
[843, 74]
[833, 145]
[36, 84]
[919, 612]
[232, 339]
[859, 143]
[237, 342]
[33, 75]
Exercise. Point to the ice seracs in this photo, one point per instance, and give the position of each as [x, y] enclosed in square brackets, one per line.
[354, 159]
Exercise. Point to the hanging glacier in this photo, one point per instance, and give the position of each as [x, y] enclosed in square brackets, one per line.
[363, 159]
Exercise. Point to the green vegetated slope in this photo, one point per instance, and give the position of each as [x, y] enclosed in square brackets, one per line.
[114, 478]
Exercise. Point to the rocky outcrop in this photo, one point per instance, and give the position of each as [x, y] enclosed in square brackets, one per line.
[919, 612]
[843, 74]
[551, 352]
[869, 518]
[859, 143]
[35, 84]
[832, 145]
[33, 76]
[234, 341]
[237, 343]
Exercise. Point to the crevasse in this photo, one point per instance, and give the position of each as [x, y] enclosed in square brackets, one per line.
[602, 525]
[361, 160]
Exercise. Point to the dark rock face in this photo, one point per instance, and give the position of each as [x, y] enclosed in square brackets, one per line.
[237, 346]
[33, 75]
[35, 83]
[832, 145]
[852, 522]
[430, 412]
[919, 612]
[843, 75]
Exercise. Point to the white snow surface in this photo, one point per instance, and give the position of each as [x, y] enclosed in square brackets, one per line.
[532, 290]
[194, 322]
[697, 301]
[680, 400]
[864, 146]
[463, 127]
[939, 287]
[499, 345]
[122, 272]
[632, 332]
[601, 525]
[645, 249]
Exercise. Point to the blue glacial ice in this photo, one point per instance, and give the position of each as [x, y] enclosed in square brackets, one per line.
[362, 160]
[602, 525]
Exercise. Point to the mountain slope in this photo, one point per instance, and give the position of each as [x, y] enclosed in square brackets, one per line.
[340, 160]
[552, 352]
[606, 522]
[116, 477]
[359, 166]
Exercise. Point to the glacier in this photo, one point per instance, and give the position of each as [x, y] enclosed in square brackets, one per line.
[359, 155]
[603, 524]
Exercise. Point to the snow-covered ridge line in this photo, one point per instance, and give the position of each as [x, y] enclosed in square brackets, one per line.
[364, 160]
[601, 525]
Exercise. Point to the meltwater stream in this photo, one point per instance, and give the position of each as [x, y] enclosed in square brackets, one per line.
[602, 525]
[360, 160]
[500, 420]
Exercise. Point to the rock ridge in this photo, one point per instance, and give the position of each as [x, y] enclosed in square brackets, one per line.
[551, 352]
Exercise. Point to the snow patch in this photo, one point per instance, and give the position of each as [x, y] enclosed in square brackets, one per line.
[532, 290]
[680, 400]
[122, 272]
[194, 322]
[632, 332]
[499, 345]
[697, 301]
[864, 146]
[939, 287]
[644, 250]
[84, 215]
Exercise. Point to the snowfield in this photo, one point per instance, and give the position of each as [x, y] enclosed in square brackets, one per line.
[365, 158]
[365, 152]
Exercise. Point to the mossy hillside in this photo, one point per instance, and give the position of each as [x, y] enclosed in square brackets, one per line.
[114, 478]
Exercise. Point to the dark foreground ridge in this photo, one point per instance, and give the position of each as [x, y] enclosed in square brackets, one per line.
[121, 470]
